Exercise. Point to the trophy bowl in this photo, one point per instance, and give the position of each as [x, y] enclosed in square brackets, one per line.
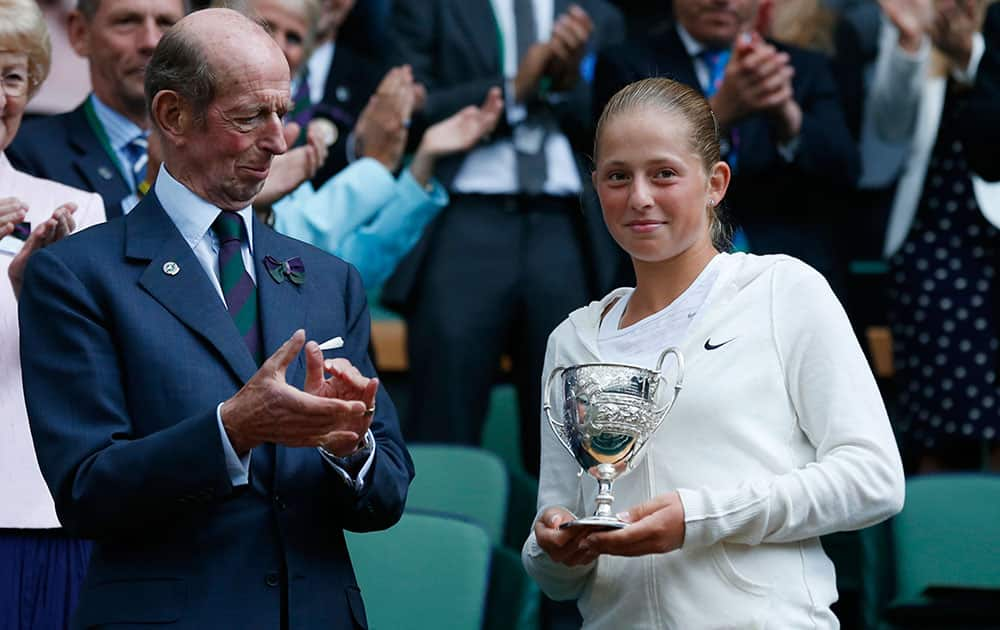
[609, 413]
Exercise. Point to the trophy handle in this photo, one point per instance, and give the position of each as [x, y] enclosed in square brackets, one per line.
[557, 427]
[661, 413]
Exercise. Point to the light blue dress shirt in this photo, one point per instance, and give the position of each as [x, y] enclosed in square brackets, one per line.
[121, 131]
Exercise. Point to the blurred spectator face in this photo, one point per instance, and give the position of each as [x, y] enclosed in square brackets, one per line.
[14, 83]
[288, 27]
[715, 22]
[334, 14]
[118, 41]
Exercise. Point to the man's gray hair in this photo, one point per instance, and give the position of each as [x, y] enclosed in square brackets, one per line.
[179, 64]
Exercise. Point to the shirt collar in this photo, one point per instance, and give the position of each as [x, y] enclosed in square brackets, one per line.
[120, 129]
[691, 45]
[319, 69]
[192, 215]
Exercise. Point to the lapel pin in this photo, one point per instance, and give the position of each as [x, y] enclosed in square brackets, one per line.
[342, 93]
[171, 268]
[105, 173]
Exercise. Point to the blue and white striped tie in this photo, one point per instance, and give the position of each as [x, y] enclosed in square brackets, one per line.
[137, 153]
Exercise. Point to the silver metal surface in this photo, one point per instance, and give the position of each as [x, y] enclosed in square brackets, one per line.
[609, 413]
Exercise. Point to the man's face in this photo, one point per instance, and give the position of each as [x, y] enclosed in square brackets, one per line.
[227, 157]
[118, 41]
[715, 22]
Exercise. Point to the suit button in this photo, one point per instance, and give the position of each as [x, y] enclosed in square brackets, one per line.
[279, 504]
[272, 579]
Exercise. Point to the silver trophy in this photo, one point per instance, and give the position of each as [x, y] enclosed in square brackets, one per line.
[610, 411]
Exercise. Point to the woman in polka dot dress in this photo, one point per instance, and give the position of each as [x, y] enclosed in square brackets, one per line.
[941, 240]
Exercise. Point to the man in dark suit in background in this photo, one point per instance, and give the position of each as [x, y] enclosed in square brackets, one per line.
[781, 121]
[101, 145]
[512, 254]
[216, 483]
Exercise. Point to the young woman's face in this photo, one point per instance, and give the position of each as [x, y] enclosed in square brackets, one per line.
[653, 187]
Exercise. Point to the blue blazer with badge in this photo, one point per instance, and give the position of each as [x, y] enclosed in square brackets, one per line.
[124, 366]
[64, 148]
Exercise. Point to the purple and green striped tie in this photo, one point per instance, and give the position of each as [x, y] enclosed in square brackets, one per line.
[238, 288]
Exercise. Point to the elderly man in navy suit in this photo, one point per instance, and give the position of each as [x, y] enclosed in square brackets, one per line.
[177, 419]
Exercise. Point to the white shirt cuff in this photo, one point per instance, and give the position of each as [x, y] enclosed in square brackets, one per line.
[237, 467]
[335, 462]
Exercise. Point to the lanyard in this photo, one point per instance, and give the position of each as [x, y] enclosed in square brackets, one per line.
[102, 137]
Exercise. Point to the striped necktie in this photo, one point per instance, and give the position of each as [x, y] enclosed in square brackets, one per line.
[138, 156]
[530, 134]
[716, 60]
[238, 288]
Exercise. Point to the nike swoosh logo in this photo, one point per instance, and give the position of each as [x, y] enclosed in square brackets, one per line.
[710, 346]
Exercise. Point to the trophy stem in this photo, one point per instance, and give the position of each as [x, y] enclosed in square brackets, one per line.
[605, 475]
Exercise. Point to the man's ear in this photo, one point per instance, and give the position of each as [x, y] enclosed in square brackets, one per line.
[78, 30]
[171, 113]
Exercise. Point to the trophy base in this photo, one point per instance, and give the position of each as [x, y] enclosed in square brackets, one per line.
[596, 522]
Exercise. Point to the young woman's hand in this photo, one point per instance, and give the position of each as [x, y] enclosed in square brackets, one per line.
[562, 545]
[657, 526]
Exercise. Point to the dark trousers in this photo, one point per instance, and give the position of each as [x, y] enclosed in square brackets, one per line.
[501, 273]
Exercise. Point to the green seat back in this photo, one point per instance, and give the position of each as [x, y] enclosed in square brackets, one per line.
[463, 481]
[946, 534]
[427, 572]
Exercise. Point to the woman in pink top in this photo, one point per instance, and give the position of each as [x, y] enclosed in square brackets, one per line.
[40, 568]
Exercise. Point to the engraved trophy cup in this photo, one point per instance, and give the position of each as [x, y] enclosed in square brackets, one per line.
[609, 413]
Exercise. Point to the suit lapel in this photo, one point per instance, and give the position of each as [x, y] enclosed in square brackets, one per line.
[94, 165]
[187, 292]
[281, 305]
[282, 311]
[482, 31]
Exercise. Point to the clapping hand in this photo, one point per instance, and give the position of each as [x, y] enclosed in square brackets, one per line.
[912, 18]
[954, 24]
[268, 409]
[345, 383]
[568, 43]
[381, 130]
[758, 78]
[459, 132]
[58, 226]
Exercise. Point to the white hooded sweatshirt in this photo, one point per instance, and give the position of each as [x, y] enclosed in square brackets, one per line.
[778, 437]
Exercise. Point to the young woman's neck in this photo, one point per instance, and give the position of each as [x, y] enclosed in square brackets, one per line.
[657, 284]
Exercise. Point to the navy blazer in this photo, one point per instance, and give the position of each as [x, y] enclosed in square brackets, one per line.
[124, 367]
[768, 193]
[64, 148]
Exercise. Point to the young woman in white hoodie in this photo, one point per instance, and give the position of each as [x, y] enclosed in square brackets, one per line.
[778, 437]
